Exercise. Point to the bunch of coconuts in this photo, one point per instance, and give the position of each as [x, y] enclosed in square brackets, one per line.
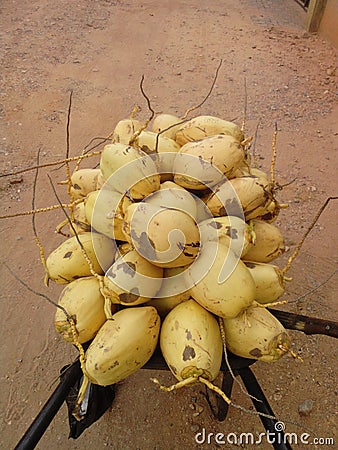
[173, 239]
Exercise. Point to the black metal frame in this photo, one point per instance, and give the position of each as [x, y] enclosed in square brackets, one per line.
[240, 366]
[303, 3]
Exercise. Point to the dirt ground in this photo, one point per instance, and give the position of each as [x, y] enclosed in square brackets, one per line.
[99, 50]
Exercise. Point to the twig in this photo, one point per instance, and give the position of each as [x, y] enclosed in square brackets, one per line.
[152, 113]
[68, 175]
[147, 99]
[55, 163]
[245, 106]
[36, 237]
[39, 294]
[268, 416]
[68, 138]
[274, 155]
[166, 129]
[282, 186]
[299, 245]
[253, 153]
[188, 111]
[40, 210]
[86, 150]
[70, 319]
[314, 289]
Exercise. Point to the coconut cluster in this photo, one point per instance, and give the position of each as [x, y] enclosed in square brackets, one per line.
[172, 234]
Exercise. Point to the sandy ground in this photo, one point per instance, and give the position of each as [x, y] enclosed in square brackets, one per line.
[99, 50]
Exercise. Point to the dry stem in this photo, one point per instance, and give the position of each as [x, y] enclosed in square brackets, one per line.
[301, 242]
[55, 163]
[188, 111]
[152, 113]
[36, 237]
[245, 106]
[274, 155]
[41, 210]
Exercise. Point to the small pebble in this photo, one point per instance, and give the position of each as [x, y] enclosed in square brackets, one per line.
[305, 408]
[199, 409]
[331, 71]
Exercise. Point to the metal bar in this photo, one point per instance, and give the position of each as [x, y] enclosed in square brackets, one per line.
[223, 406]
[262, 406]
[308, 325]
[51, 407]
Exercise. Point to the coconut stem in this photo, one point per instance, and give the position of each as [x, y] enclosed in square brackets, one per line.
[81, 395]
[192, 380]
[292, 353]
[36, 237]
[152, 113]
[135, 110]
[107, 300]
[246, 141]
[215, 389]
[39, 210]
[274, 156]
[270, 305]
[252, 233]
[55, 163]
[301, 242]
[245, 106]
[188, 111]
[68, 175]
[253, 153]
[76, 342]
[178, 385]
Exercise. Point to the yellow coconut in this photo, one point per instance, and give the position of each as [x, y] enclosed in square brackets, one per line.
[163, 150]
[269, 280]
[203, 126]
[256, 334]
[268, 242]
[195, 163]
[229, 230]
[67, 262]
[168, 124]
[132, 280]
[166, 237]
[125, 130]
[83, 301]
[105, 210]
[123, 345]
[220, 282]
[173, 196]
[83, 182]
[129, 170]
[191, 342]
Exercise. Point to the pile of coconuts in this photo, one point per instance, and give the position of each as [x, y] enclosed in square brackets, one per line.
[172, 245]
